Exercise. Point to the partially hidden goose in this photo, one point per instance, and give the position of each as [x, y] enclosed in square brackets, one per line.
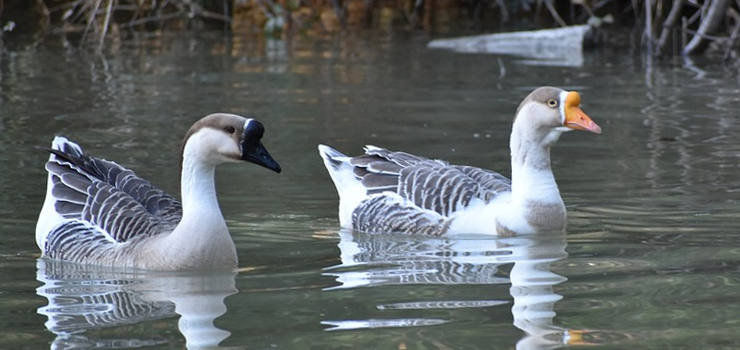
[386, 191]
[98, 212]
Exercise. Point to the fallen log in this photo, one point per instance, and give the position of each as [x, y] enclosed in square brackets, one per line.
[560, 46]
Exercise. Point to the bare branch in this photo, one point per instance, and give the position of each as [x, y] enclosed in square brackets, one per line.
[733, 40]
[106, 21]
[649, 26]
[668, 25]
[554, 13]
[91, 19]
[709, 25]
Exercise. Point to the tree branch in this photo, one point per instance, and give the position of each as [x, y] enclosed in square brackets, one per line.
[668, 25]
[709, 25]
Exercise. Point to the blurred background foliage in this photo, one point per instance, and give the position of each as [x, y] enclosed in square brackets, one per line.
[661, 27]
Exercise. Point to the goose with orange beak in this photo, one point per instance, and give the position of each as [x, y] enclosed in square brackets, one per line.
[397, 192]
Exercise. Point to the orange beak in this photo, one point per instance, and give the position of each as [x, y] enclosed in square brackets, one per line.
[575, 118]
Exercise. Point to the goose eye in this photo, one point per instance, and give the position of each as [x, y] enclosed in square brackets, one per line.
[230, 129]
[552, 102]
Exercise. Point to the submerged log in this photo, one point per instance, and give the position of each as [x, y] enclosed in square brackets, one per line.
[561, 46]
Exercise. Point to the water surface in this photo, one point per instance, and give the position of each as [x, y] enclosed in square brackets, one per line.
[650, 259]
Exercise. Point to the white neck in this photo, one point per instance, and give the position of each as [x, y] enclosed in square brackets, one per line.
[198, 188]
[532, 179]
[202, 233]
[197, 184]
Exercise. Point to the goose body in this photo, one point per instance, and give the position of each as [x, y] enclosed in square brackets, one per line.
[386, 191]
[98, 212]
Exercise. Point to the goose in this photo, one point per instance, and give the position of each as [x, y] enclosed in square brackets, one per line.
[397, 192]
[99, 213]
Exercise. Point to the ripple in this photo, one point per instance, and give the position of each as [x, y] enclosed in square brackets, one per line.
[601, 265]
[383, 323]
[442, 304]
[282, 228]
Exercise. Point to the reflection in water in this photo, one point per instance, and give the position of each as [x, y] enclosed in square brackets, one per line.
[532, 289]
[83, 298]
[378, 260]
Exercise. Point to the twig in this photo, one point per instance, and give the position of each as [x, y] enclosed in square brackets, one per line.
[554, 13]
[684, 28]
[91, 19]
[65, 6]
[733, 39]
[152, 19]
[707, 36]
[198, 11]
[504, 11]
[668, 25]
[212, 15]
[710, 24]
[588, 9]
[108, 11]
[649, 26]
[696, 15]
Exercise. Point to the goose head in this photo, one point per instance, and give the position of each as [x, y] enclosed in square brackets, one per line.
[547, 112]
[227, 138]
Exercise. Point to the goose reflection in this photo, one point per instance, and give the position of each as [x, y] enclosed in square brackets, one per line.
[377, 260]
[83, 298]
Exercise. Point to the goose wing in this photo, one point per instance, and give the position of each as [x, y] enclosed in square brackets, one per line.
[429, 184]
[389, 212]
[115, 204]
[408, 190]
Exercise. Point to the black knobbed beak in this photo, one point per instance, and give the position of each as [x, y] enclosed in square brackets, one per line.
[254, 151]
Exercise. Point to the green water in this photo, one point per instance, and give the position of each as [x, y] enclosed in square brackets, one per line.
[650, 259]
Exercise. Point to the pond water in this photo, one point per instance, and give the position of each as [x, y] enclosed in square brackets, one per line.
[651, 257]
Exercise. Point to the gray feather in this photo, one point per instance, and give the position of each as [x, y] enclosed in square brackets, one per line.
[111, 203]
[389, 214]
[375, 181]
[491, 183]
[364, 160]
[425, 192]
[66, 194]
[68, 210]
[384, 167]
[73, 239]
[401, 158]
[360, 172]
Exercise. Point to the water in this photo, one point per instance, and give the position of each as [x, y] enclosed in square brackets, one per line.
[650, 259]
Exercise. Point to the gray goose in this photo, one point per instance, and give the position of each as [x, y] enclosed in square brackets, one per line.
[98, 212]
[386, 191]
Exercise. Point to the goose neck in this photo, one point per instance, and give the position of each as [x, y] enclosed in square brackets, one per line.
[531, 173]
[198, 188]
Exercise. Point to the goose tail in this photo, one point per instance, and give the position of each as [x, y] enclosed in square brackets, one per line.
[49, 218]
[64, 145]
[350, 189]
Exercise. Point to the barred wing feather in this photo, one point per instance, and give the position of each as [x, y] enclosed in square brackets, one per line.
[115, 202]
[391, 213]
[425, 192]
[490, 183]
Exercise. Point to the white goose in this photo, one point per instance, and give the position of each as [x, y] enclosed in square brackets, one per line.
[98, 212]
[385, 191]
